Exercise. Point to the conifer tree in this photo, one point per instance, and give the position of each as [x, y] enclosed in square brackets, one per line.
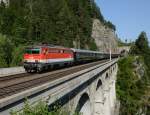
[142, 43]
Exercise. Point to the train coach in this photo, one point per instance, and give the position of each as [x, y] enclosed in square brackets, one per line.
[43, 57]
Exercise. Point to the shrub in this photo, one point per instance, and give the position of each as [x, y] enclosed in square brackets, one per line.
[41, 109]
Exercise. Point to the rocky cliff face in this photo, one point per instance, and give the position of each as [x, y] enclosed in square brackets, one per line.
[104, 37]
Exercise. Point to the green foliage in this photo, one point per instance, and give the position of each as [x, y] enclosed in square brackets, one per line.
[57, 22]
[17, 55]
[142, 49]
[110, 25]
[133, 92]
[130, 89]
[141, 45]
[41, 109]
[6, 48]
[96, 12]
[93, 45]
[121, 43]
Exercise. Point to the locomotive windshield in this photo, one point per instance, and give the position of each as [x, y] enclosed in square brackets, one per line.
[32, 51]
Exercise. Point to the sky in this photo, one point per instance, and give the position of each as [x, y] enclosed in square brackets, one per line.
[129, 16]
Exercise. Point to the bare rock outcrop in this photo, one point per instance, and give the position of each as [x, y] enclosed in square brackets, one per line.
[105, 37]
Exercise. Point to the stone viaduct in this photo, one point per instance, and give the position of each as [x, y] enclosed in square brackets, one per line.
[90, 91]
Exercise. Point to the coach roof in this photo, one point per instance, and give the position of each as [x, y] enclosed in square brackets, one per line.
[85, 51]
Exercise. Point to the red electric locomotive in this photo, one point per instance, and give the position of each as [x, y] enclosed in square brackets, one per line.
[39, 58]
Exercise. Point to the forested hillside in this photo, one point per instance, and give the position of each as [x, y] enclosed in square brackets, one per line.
[133, 79]
[58, 22]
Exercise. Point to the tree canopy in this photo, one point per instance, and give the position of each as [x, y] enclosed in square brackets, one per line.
[141, 45]
[59, 22]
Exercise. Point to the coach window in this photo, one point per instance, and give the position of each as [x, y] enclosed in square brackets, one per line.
[35, 51]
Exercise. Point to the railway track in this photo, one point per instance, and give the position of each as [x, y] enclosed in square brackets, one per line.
[10, 85]
[4, 78]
